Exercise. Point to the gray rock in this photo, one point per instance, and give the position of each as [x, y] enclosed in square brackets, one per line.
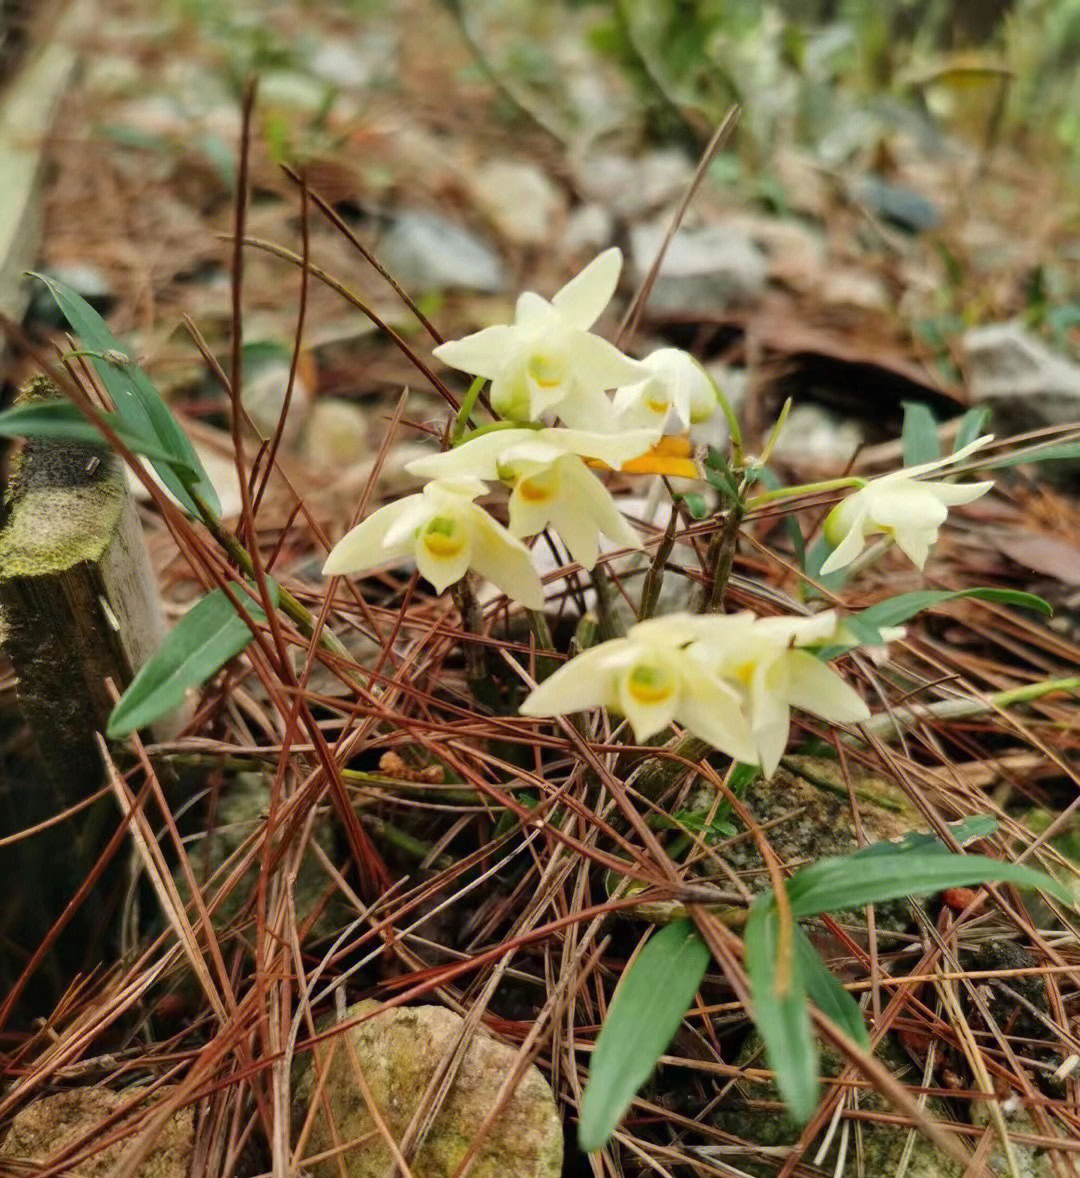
[398, 1051]
[356, 63]
[336, 435]
[589, 229]
[1027, 383]
[426, 252]
[901, 207]
[814, 435]
[520, 200]
[711, 266]
[1031, 1162]
[264, 398]
[48, 1125]
[92, 283]
[633, 187]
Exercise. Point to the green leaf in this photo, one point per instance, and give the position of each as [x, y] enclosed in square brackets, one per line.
[971, 426]
[782, 1019]
[826, 992]
[965, 831]
[1066, 450]
[200, 644]
[138, 404]
[58, 420]
[919, 435]
[695, 505]
[866, 625]
[644, 1015]
[899, 870]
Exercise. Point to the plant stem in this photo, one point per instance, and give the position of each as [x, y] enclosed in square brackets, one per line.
[782, 493]
[719, 559]
[477, 672]
[888, 725]
[654, 578]
[461, 421]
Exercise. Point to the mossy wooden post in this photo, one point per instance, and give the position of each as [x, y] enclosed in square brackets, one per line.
[78, 606]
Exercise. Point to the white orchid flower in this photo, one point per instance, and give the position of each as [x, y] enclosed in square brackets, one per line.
[551, 483]
[653, 678]
[676, 393]
[902, 506]
[760, 658]
[447, 534]
[547, 360]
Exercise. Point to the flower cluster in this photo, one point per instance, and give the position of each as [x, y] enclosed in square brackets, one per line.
[568, 405]
[731, 680]
[546, 366]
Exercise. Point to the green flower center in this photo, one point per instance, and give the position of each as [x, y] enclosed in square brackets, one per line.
[650, 684]
[443, 536]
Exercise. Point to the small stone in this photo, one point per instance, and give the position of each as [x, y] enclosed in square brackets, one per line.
[901, 207]
[1027, 383]
[84, 279]
[398, 1051]
[336, 435]
[815, 435]
[356, 63]
[589, 229]
[521, 200]
[426, 252]
[711, 266]
[48, 1125]
[634, 187]
[264, 389]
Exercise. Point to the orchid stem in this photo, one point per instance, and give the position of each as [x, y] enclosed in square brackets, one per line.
[654, 577]
[720, 557]
[782, 493]
[468, 404]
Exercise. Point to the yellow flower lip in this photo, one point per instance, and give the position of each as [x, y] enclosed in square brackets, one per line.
[533, 492]
[670, 455]
[650, 685]
[440, 545]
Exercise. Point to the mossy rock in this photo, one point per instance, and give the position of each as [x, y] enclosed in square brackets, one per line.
[51, 1124]
[1031, 1162]
[398, 1051]
[881, 1145]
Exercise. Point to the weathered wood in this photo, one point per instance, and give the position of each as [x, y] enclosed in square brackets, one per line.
[78, 600]
[78, 606]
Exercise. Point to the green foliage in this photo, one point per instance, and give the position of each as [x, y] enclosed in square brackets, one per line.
[644, 1015]
[199, 645]
[55, 420]
[647, 1011]
[139, 406]
[919, 435]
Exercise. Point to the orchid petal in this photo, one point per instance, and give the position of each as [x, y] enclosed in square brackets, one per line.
[600, 365]
[816, 688]
[441, 571]
[364, 546]
[586, 681]
[505, 562]
[853, 540]
[594, 500]
[955, 494]
[476, 457]
[532, 311]
[583, 299]
[710, 710]
[483, 353]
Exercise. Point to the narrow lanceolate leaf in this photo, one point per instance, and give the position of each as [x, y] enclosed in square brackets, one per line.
[867, 624]
[139, 406]
[60, 420]
[919, 435]
[200, 644]
[971, 426]
[780, 1011]
[826, 992]
[644, 1015]
[890, 871]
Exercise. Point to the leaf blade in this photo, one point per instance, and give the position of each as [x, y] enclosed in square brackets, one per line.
[138, 404]
[782, 1020]
[919, 435]
[644, 1015]
[198, 646]
[826, 992]
[61, 421]
[836, 883]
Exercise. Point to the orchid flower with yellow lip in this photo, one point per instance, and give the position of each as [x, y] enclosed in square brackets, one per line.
[672, 455]
[547, 360]
[653, 678]
[551, 483]
[900, 505]
[676, 392]
[761, 660]
[447, 534]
